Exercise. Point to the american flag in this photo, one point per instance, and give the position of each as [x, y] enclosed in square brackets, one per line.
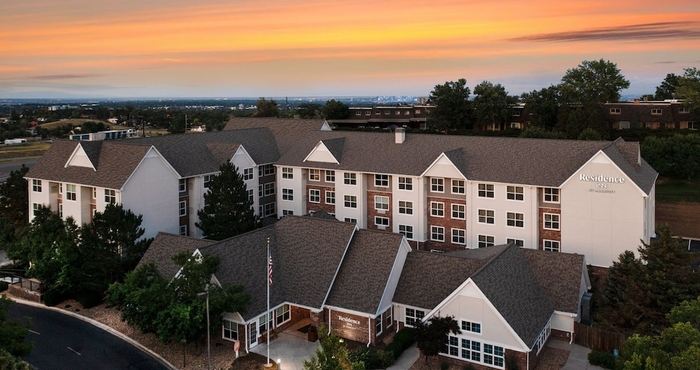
[269, 272]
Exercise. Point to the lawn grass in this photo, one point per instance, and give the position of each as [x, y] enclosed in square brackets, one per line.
[23, 150]
[677, 191]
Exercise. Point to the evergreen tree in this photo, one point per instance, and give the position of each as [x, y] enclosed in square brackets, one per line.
[228, 211]
[14, 206]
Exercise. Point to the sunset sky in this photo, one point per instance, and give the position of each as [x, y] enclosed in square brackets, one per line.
[276, 48]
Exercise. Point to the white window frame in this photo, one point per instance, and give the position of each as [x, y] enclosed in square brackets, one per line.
[457, 185]
[486, 191]
[350, 201]
[407, 231]
[269, 188]
[437, 209]
[656, 111]
[288, 194]
[288, 173]
[314, 196]
[518, 242]
[182, 208]
[229, 330]
[381, 181]
[183, 230]
[486, 216]
[350, 219]
[282, 314]
[515, 219]
[550, 195]
[251, 195]
[314, 174]
[437, 233]
[71, 195]
[206, 179]
[248, 173]
[459, 236]
[350, 178]
[266, 170]
[405, 207]
[330, 176]
[412, 316]
[330, 197]
[36, 186]
[270, 208]
[405, 183]
[515, 193]
[485, 241]
[459, 210]
[182, 185]
[437, 184]
[471, 327]
[551, 221]
[381, 203]
[110, 196]
[615, 110]
[381, 221]
[551, 245]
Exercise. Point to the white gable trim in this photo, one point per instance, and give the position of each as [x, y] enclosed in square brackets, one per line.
[599, 153]
[352, 312]
[241, 150]
[151, 152]
[394, 270]
[325, 126]
[79, 151]
[316, 148]
[469, 281]
[337, 270]
[441, 156]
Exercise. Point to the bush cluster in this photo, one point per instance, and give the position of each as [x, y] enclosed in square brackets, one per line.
[602, 359]
[402, 340]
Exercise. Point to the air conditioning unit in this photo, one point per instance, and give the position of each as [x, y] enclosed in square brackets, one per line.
[586, 301]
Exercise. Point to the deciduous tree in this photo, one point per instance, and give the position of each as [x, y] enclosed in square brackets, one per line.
[689, 90]
[667, 88]
[14, 205]
[266, 108]
[336, 109]
[310, 110]
[452, 108]
[432, 338]
[597, 81]
[12, 334]
[543, 106]
[228, 211]
[491, 105]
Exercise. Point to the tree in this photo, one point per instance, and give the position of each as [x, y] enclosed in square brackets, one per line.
[14, 205]
[452, 108]
[686, 311]
[336, 109]
[540, 133]
[589, 134]
[543, 106]
[689, 90]
[309, 110]
[12, 334]
[491, 105]
[667, 88]
[331, 355]
[674, 156]
[228, 211]
[266, 108]
[641, 292]
[597, 81]
[677, 347]
[432, 338]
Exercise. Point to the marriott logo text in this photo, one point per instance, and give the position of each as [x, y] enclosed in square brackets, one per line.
[601, 178]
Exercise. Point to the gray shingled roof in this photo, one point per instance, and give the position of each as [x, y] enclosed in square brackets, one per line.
[420, 286]
[511, 286]
[364, 275]
[539, 162]
[306, 254]
[335, 146]
[285, 130]
[559, 274]
[164, 247]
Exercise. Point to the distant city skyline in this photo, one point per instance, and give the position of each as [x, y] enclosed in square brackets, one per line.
[79, 49]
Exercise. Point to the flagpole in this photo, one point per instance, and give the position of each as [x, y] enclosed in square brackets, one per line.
[267, 315]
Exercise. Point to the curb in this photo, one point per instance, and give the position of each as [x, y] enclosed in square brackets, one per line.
[99, 325]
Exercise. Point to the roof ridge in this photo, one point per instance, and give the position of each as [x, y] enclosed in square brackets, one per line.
[493, 258]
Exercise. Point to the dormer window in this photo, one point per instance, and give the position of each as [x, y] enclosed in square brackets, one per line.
[656, 111]
[615, 110]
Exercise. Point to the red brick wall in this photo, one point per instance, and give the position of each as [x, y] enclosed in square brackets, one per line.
[354, 328]
[322, 206]
[372, 212]
[549, 234]
[521, 359]
[560, 335]
[447, 222]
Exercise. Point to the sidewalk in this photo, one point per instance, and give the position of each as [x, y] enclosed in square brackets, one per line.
[578, 356]
[407, 359]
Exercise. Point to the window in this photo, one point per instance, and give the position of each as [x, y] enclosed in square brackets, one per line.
[405, 207]
[183, 208]
[60, 188]
[36, 186]
[683, 110]
[282, 314]
[397, 112]
[485, 241]
[437, 185]
[330, 197]
[692, 125]
[458, 211]
[378, 112]
[266, 170]
[357, 113]
[381, 221]
[406, 230]
[60, 210]
[314, 175]
[514, 193]
[452, 346]
[381, 203]
[260, 190]
[70, 192]
[544, 335]
[494, 355]
[515, 219]
[515, 125]
[437, 209]
[437, 233]
[378, 324]
[367, 113]
[287, 212]
[350, 178]
[624, 125]
[486, 191]
[413, 316]
[457, 186]
[110, 196]
[381, 180]
[471, 350]
[405, 183]
[351, 202]
[351, 220]
[207, 179]
[182, 185]
[248, 173]
[288, 194]
[615, 110]
[458, 236]
[519, 242]
[330, 176]
[471, 327]
[251, 195]
[230, 330]
[269, 188]
[388, 320]
[551, 195]
[550, 245]
[386, 112]
[314, 196]
[656, 111]
[287, 173]
[486, 216]
[516, 113]
[551, 221]
[183, 230]
[94, 193]
[35, 207]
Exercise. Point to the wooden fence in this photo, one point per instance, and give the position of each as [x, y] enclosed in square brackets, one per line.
[598, 339]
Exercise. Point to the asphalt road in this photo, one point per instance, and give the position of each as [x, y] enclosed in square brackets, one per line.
[8, 166]
[64, 342]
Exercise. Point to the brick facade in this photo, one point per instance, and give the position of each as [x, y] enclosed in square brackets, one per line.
[548, 234]
[349, 326]
[447, 222]
[373, 212]
[520, 359]
[322, 205]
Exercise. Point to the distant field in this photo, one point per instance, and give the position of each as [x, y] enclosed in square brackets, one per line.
[23, 150]
[72, 122]
[677, 191]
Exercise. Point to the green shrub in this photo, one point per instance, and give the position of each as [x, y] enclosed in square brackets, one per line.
[53, 297]
[3, 286]
[602, 359]
[89, 299]
[402, 340]
[372, 358]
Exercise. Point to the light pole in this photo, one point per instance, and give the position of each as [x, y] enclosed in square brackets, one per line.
[200, 295]
[279, 363]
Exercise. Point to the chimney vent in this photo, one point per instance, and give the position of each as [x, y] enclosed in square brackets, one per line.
[400, 135]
